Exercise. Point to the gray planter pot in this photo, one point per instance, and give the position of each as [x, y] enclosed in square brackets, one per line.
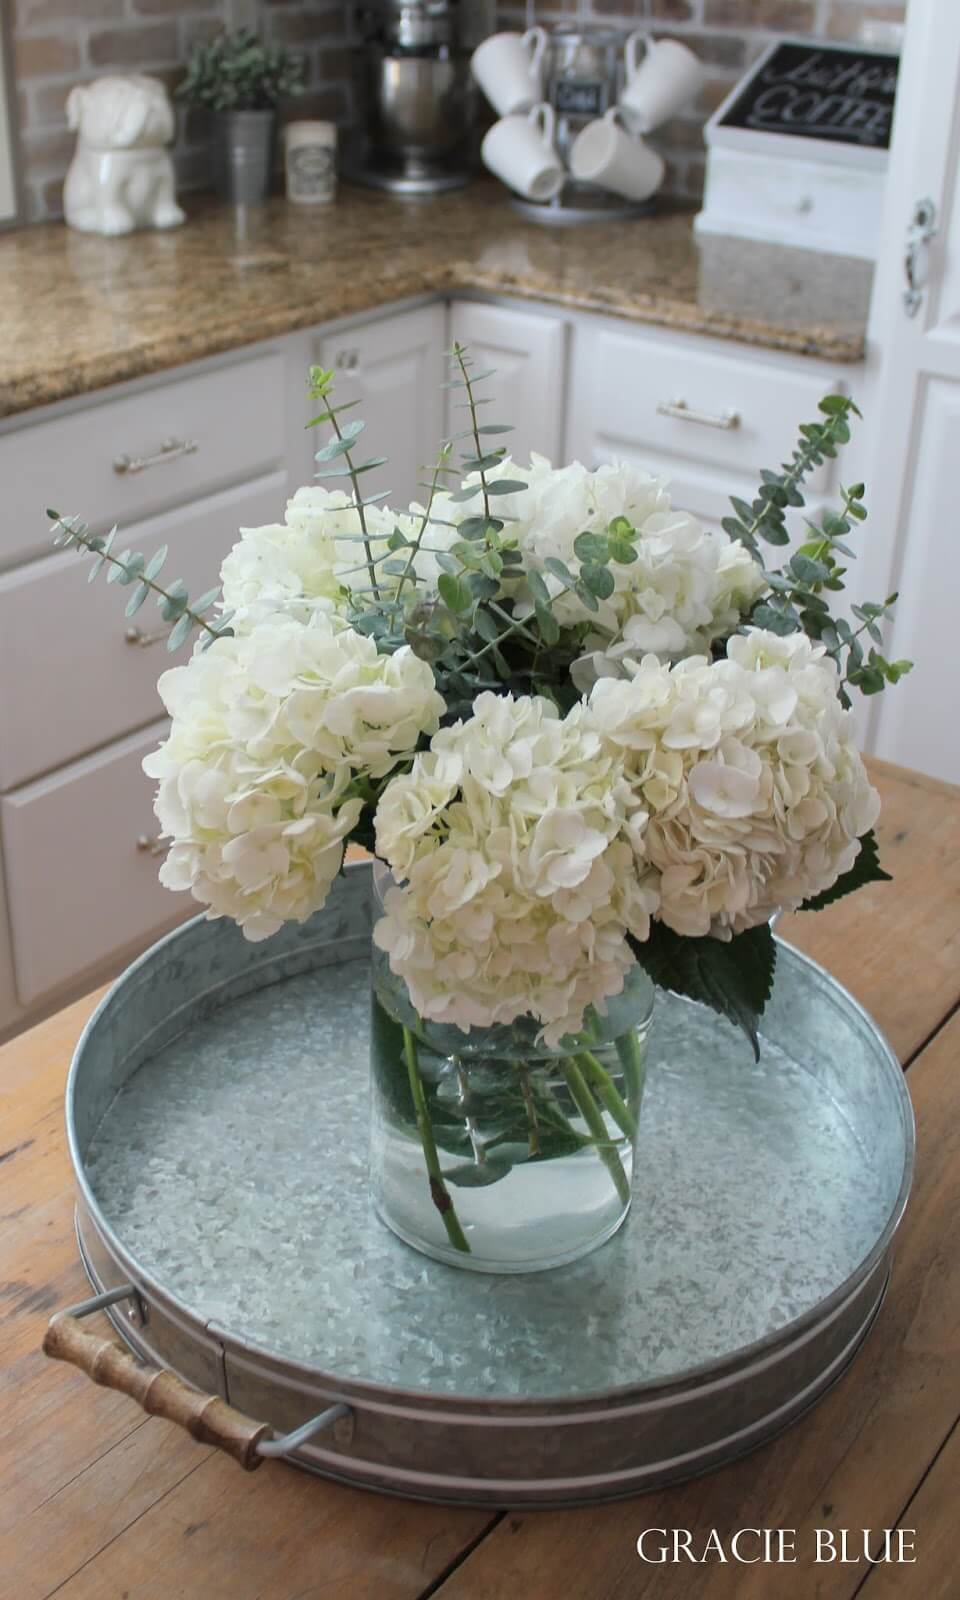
[243, 146]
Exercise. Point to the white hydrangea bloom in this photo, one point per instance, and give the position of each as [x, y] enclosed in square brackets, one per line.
[688, 586]
[519, 891]
[310, 561]
[269, 729]
[748, 789]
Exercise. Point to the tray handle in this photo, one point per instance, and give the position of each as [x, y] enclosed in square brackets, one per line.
[208, 1418]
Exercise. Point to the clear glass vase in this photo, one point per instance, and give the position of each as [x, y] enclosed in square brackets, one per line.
[489, 1151]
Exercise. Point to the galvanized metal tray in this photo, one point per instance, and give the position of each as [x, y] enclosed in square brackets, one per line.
[217, 1116]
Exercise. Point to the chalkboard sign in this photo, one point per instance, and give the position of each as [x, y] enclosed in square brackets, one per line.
[815, 91]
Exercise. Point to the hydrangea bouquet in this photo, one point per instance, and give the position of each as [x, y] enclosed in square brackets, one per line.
[596, 747]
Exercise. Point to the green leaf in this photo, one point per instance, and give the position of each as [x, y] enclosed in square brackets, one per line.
[556, 566]
[547, 623]
[479, 527]
[180, 632]
[487, 626]
[506, 486]
[478, 1174]
[807, 569]
[117, 574]
[206, 601]
[454, 593]
[622, 551]
[592, 548]
[337, 446]
[866, 869]
[779, 622]
[734, 977]
[481, 587]
[136, 599]
[482, 463]
[538, 588]
[586, 595]
[834, 405]
[599, 580]
[156, 562]
[397, 541]
[496, 427]
[174, 602]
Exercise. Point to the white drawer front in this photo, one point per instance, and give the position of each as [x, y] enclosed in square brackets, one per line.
[735, 414]
[78, 888]
[69, 679]
[234, 416]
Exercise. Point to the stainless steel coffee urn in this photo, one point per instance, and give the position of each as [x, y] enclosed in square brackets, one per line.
[418, 102]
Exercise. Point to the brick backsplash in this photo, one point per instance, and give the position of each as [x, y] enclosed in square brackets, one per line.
[58, 43]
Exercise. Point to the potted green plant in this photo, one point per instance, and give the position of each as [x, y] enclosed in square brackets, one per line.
[240, 81]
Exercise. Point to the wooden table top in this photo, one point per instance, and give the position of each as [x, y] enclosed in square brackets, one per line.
[98, 1502]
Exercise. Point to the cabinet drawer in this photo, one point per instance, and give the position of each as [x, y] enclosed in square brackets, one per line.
[735, 414]
[70, 679]
[78, 888]
[234, 416]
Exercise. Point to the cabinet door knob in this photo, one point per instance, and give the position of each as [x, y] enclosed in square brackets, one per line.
[707, 419]
[151, 845]
[170, 450]
[347, 360]
[143, 641]
[922, 229]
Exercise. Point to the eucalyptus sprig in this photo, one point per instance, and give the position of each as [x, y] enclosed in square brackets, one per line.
[797, 601]
[130, 567]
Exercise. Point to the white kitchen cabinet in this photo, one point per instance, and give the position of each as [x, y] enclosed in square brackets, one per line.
[695, 412]
[137, 451]
[67, 712]
[394, 366]
[81, 874]
[526, 351]
[914, 338]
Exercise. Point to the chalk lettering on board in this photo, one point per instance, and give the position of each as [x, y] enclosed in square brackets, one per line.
[845, 96]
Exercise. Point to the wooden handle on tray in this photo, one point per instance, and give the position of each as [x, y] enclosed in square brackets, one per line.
[162, 1394]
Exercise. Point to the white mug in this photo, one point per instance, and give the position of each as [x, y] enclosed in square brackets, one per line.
[605, 154]
[659, 85]
[519, 149]
[509, 69]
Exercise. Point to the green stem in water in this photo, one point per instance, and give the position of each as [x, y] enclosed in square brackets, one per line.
[634, 1065]
[533, 1126]
[439, 1192]
[590, 1112]
[596, 1074]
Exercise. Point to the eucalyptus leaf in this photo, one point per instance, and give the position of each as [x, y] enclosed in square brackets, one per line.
[180, 632]
[155, 563]
[454, 592]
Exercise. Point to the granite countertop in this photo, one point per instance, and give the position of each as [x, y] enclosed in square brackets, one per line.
[80, 311]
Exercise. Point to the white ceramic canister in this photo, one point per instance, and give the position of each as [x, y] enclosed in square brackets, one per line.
[311, 162]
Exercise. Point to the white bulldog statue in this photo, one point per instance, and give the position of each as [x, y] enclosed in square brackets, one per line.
[121, 177]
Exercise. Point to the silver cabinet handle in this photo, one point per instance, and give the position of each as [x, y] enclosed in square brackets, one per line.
[170, 450]
[134, 635]
[706, 419]
[922, 229]
[151, 845]
[347, 360]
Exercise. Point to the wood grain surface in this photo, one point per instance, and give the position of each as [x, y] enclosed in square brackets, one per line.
[99, 1503]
